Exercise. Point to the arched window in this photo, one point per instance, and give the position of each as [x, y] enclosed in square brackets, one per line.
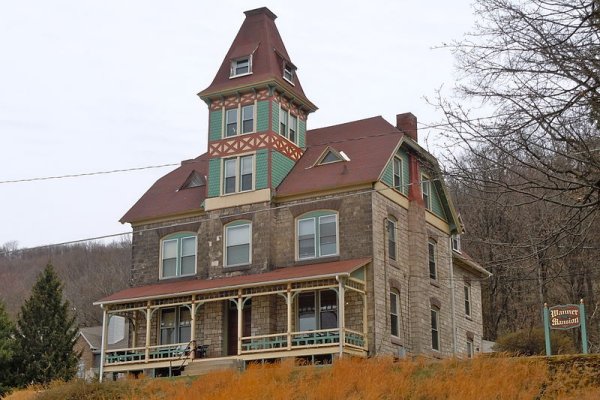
[178, 255]
[238, 243]
[317, 235]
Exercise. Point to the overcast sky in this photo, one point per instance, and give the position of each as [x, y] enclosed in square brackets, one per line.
[90, 86]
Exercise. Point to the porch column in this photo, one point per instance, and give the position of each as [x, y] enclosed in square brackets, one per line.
[193, 327]
[289, 316]
[342, 317]
[104, 338]
[240, 306]
[148, 326]
[365, 321]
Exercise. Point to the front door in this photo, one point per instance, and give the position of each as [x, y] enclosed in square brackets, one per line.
[232, 325]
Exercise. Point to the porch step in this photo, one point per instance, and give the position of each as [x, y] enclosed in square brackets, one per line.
[201, 367]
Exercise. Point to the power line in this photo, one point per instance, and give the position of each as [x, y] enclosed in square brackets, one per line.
[78, 175]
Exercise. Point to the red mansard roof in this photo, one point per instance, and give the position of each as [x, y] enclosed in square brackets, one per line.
[281, 275]
[166, 196]
[258, 36]
[368, 143]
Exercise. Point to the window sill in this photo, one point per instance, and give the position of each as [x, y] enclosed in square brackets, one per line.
[239, 75]
[468, 317]
[177, 277]
[434, 282]
[393, 263]
[316, 260]
[234, 268]
[396, 340]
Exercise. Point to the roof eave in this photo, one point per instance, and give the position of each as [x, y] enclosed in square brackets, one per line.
[471, 264]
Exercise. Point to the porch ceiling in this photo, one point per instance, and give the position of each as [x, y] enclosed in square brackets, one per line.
[195, 286]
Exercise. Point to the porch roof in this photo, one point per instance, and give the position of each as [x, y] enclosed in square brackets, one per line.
[278, 276]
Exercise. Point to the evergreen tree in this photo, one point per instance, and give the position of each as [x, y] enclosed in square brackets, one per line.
[46, 333]
[7, 347]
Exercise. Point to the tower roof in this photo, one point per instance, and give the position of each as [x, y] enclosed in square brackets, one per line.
[258, 38]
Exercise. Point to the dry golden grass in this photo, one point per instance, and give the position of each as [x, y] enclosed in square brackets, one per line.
[494, 378]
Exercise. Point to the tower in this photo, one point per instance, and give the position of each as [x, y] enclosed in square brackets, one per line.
[257, 116]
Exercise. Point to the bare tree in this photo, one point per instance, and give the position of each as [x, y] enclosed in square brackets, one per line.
[528, 104]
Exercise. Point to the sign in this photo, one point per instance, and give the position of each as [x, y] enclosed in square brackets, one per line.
[565, 316]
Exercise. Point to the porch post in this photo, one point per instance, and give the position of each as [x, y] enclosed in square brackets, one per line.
[365, 321]
[341, 309]
[148, 326]
[289, 316]
[193, 327]
[103, 343]
[240, 305]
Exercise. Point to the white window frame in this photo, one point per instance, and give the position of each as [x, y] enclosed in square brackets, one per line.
[237, 225]
[242, 120]
[316, 223]
[290, 71]
[178, 259]
[394, 303]
[435, 329]
[317, 308]
[288, 118]
[228, 112]
[455, 242]
[238, 174]
[426, 191]
[432, 263]
[234, 66]
[397, 173]
[470, 348]
[392, 244]
[468, 301]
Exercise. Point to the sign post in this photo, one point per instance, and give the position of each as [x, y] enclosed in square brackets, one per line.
[563, 317]
[547, 330]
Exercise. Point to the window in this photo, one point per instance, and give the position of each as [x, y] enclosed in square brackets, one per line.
[435, 332]
[317, 235]
[467, 300]
[455, 241]
[397, 164]
[394, 312]
[283, 123]
[175, 325]
[329, 158]
[238, 244]
[238, 174]
[470, 348]
[288, 73]
[325, 301]
[426, 189]
[432, 259]
[178, 255]
[293, 128]
[391, 236]
[231, 117]
[248, 118]
[241, 66]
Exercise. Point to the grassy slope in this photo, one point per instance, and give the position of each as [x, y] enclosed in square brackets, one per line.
[482, 378]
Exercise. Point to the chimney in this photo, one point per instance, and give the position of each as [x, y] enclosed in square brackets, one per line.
[407, 123]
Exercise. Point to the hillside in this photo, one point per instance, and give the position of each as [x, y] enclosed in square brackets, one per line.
[575, 377]
[88, 271]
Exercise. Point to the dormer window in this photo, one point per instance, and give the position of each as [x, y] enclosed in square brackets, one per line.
[241, 66]
[456, 242]
[288, 73]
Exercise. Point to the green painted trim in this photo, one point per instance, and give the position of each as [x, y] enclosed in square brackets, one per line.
[262, 116]
[301, 133]
[214, 177]
[179, 235]
[261, 169]
[280, 167]
[239, 222]
[215, 125]
[275, 116]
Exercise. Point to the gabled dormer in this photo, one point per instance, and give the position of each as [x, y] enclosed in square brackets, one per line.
[258, 112]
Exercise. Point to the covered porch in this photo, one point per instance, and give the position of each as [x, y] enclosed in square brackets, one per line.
[310, 311]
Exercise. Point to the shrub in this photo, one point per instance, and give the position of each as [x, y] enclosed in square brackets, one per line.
[529, 342]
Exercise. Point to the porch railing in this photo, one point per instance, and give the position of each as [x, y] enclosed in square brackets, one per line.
[138, 354]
